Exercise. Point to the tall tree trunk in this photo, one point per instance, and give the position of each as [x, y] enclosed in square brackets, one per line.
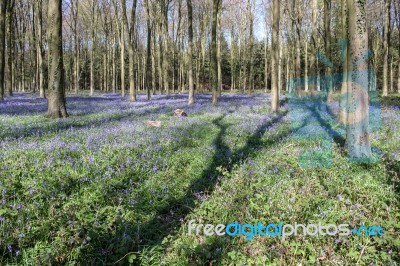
[130, 28]
[190, 52]
[298, 38]
[398, 62]
[398, 78]
[280, 71]
[93, 44]
[203, 54]
[275, 55]
[314, 37]
[306, 66]
[232, 59]
[122, 45]
[166, 47]
[266, 65]
[77, 50]
[23, 77]
[358, 142]
[343, 89]
[159, 60]
[105, 71]
[10, 47]
[219, 37]
[385, 86]
[34, 52]
[251, 48]
[92, 68]
[153, 63]
[288, 79]
[114, 65]
[56, 101]
[148, 53]
[214, 60]
[3, 5]
[327, 25]
[391, 75]
[10, 58]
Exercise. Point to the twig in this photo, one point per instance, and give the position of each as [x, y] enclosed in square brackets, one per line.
[362, 251]
[290, 145]
[125, 257]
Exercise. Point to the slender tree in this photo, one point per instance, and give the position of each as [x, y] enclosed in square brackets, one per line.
[10, 46]
[190, 51]
[214, 52]
[219, 37]
[130, 29]
[314, 36]
[56, 100]
[250, 5]
[121, 41]
[75, 14]
[165, 62]
[275, 55]
[386, 26]
[40, 50]
[327, 41]
[398, 47]
[148, 51]
[343, 89]
[93, 25]
[3, 5]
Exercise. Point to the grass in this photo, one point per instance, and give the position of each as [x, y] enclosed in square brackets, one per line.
[102, 188]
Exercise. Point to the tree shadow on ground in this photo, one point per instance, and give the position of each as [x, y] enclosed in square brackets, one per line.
[206, 251]
[25, 104]
[89, 105]
[327, 125]
[57, 126]
[392, 166]
[168, 219]
[393, 173]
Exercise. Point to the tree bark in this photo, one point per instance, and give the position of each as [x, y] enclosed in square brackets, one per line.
[166, 47]
[75, 13]
[398, 62]
[153, 63]
[56, 101]
[275, 55]
[190, 52]
[251, 48]
[297, 33]
[391, 75]
[219, 37]
[327, 25]
[306, 66]
[385, 86]
[266, 65]
[314, 37]
[122, 45]
[214, 60]
[10, 47]
[343, 90]
[131, 37]
[160, 58]
[92, 50]
[358, 141]
[148, 52]
[3, 5]
[233, 61]
[398, 78]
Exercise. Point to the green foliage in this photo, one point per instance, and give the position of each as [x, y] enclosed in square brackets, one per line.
[99, 205]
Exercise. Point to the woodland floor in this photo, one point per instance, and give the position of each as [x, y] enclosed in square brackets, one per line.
[92, 188]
